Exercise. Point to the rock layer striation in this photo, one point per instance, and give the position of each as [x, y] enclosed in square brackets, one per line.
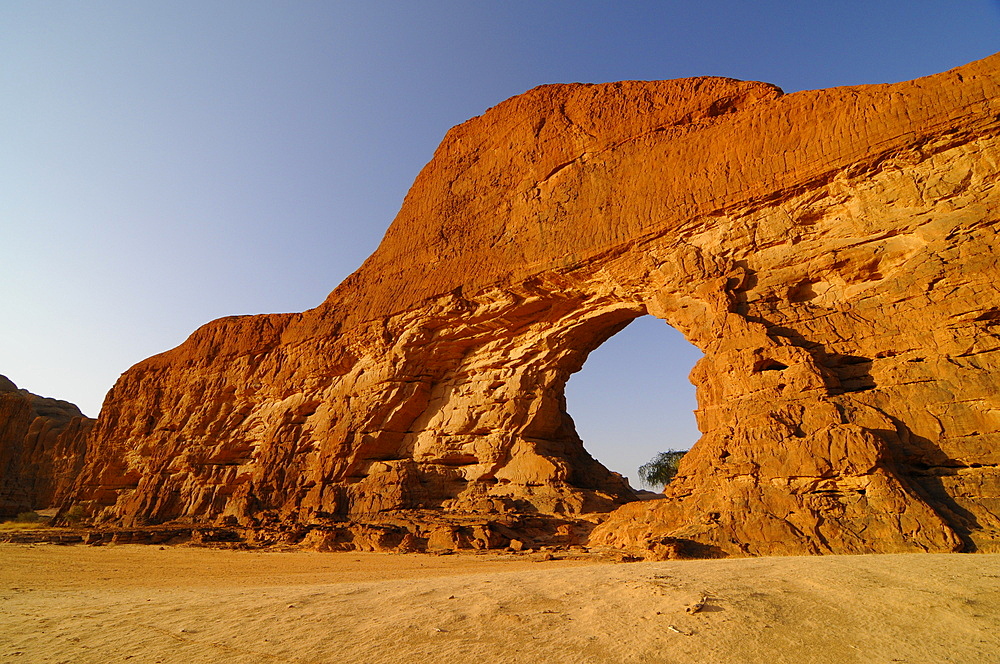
[833, 253]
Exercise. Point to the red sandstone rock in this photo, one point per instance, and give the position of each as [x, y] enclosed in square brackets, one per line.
[42, 445]
[832, 252]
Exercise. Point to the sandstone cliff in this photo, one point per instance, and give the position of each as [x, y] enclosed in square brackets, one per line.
[832, 252]
[42, 445]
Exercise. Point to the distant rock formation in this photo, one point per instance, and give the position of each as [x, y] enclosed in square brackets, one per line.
[42, 445]
[833, 253]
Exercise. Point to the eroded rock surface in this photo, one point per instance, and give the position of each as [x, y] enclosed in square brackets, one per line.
[832, 252]
[42, 445]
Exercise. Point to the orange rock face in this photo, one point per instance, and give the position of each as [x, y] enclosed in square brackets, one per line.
[42, 446]
[833, 253]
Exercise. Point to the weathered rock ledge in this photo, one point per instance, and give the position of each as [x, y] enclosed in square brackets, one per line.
[833, 253]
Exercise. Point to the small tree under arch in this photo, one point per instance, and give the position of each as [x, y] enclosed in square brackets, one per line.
[661, 469]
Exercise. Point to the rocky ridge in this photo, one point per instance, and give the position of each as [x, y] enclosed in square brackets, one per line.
[42, 446]
[832, 252]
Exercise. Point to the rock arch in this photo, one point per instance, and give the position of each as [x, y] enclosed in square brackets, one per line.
[832, 252]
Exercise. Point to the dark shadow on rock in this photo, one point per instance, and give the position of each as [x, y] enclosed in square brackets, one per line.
[843, 373]
[921, 464]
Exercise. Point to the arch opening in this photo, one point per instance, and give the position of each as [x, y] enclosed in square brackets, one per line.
[632, 398]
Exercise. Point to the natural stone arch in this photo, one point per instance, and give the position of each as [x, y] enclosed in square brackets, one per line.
[795, 239]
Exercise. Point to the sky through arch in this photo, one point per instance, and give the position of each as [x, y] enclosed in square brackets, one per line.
[632, 398]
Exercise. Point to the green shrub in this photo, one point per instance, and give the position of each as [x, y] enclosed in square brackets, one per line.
[661, 469]
[74, 514]
[28, 517]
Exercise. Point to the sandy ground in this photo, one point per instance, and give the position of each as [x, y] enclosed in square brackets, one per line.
[145, 604]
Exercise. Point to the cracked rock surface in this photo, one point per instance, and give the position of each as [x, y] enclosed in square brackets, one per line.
[832, 252]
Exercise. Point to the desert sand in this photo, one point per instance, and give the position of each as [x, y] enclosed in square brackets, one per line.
[131, 603]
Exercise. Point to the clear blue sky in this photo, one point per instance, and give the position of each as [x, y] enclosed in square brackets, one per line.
[166, 163]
